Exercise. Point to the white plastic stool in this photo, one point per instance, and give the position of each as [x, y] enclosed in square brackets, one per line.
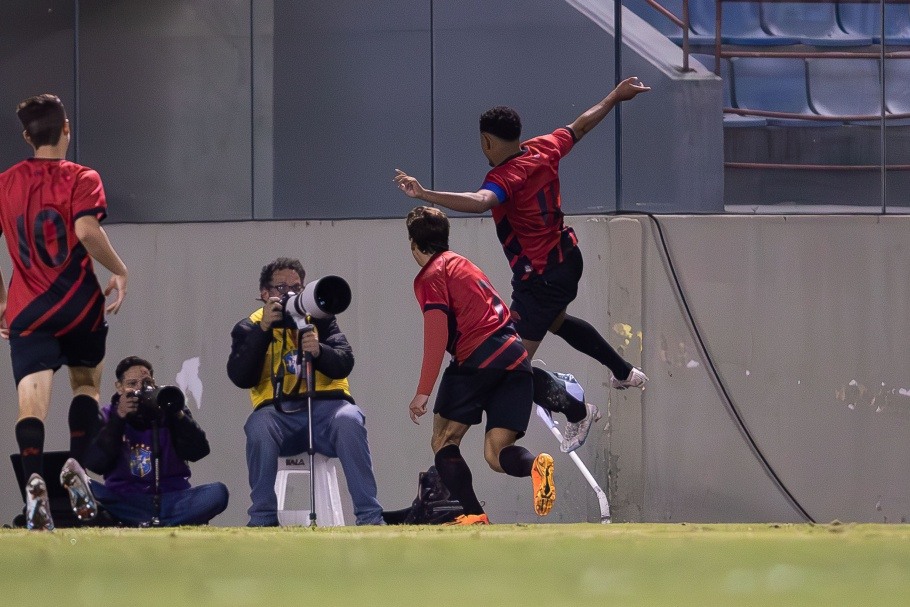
[328, 499]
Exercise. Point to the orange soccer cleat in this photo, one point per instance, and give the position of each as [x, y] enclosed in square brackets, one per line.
[470, 519]
[542, 479]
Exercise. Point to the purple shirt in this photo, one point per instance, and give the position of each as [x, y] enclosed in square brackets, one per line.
[133, 471]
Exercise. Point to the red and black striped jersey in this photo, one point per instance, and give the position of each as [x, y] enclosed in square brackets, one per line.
[480, 329]
[529, 217]
[53, 287]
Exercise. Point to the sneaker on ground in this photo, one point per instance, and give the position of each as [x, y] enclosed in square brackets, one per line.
[576, 433]
[37, 508]
[75, 481]
[636, 379]
[542, 481]
[469, 519]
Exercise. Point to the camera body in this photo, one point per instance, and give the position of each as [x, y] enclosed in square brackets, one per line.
[321, 298]
[157, 402]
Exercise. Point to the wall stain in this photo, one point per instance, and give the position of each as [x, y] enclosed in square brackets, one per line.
[878, 399]
[677, 356]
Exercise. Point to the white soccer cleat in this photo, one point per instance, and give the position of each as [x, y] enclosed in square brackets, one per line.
[636, 379]
[75, 481]
[37, 508]
[576, 433]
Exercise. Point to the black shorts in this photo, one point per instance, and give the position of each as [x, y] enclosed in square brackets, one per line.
[538, 300]
[39, 351]
[506, 396]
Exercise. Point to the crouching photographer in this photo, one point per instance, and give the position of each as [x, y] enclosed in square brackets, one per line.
[142, 450]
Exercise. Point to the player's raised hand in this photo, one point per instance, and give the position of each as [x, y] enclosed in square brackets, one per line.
[628, 88]
[409, 185]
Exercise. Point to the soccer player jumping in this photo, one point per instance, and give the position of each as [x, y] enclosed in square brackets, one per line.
[522, 191]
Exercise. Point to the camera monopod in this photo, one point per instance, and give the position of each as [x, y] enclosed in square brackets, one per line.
[323, 298]
[311, 451]
[164, 400]
[156, 465]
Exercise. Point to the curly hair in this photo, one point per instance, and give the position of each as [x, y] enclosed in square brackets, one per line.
[501, 121]
[282, 263]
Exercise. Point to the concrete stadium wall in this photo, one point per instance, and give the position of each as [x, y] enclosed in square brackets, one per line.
[804, 318]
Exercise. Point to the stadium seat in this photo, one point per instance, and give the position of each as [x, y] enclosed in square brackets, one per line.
[865, 20]
[328, 499]
[844, 87]
[775, 84]
[660, 22]
[730, 120]
[897, 85]
[654, 18]
[815, 24]
[740, 25]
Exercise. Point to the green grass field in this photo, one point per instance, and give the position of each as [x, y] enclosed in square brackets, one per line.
[578, 564]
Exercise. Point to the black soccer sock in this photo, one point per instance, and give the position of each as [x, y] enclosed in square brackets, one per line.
[516, 461]
[456, 476]
[30, 436]
[84, 421]
[551, 394]
[583, 337]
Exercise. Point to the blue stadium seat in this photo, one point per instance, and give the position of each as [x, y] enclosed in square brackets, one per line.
[741, 23]
[655, 19]
[865, 20]
[815, 24]
[844, 87]
[730, 120]
[664, 25]
[897, 85]
[776, 84]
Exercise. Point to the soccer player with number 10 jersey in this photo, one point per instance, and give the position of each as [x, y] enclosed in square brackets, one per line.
[53, 313]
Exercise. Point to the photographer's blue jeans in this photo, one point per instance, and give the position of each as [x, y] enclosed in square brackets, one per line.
[339, 430]
[193, 506]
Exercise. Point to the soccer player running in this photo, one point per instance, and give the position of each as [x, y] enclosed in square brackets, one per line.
[490, 370]
[522, 191]
[53, 314]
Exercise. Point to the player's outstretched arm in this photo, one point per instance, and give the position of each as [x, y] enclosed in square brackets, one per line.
[480, 201]
[624, 91]
[95, 240]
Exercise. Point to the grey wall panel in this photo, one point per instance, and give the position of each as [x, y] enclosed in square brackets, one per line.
[518, 54]
[352, 102]
[166, 96]
[232, 110]
[36, 56]
[805, 319]
[551, 61]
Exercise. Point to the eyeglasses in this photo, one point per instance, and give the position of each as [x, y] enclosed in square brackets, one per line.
[284, 289]
[135, 384]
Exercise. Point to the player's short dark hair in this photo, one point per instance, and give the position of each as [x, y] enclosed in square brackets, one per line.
[501, 121]
[428, 227]
[282, 263]
[43, 117]
[129, 362]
